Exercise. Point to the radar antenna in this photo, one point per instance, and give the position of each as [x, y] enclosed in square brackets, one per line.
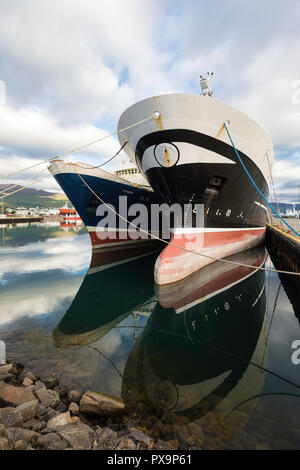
[205, 83]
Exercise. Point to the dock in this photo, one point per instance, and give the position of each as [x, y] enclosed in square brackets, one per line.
[19, 220]
[284, 250]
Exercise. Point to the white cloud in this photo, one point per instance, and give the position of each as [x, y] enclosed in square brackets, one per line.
[71, 68]
[54, 253]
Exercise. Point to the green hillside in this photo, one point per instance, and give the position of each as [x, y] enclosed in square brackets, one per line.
[30, 197]
[33, 201]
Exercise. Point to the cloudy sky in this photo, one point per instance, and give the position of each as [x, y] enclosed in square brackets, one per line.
[68, 68]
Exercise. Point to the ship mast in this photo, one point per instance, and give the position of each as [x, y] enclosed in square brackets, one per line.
[205, 84]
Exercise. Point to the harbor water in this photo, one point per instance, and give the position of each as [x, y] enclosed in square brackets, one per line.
[210, 362]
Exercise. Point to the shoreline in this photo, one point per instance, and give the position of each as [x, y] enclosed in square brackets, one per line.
[38, 414]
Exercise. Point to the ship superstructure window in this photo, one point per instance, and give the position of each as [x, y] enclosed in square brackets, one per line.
[127, 171]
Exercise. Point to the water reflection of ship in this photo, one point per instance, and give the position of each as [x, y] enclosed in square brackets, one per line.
[113, 287]
[68, 225]
[190, 368]
[188, 375]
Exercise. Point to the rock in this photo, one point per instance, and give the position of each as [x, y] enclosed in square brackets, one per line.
[39, 385]
[59, 420]
[139, 436]
[30, 423]
[7, 371]
[7, 368]
[167, 445]
[27, 382]
[63, 392]
[5, 444]
[2, 431]
[62, 407]
[14, 395]
[39, 426]
[21, 444]
[30, 388]
[52, 382]
[51, 414]
[101, 404]
[23, 434]
[5, 432]
[74, 408]
[29, 409]
[126, 444]
[108, 439]
[51, 441]
[74, 395]
[10, 417]
[31, 376]
[77, 435]
[43, 410]
[48, 397]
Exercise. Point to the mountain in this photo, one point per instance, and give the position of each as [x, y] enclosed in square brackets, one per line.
[30, 197]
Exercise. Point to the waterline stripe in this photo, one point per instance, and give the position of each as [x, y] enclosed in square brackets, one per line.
[213, 294]
[180, 231]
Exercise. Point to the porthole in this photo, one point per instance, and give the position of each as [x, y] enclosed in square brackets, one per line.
[166, 154]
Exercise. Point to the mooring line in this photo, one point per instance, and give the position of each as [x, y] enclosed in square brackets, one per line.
[76, 149]
[254, 184]
[177, 246]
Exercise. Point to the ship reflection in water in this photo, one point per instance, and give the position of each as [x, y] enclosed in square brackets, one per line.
[193, 370]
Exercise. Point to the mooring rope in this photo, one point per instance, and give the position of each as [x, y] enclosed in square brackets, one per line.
[107, 161]
[255, 185]
[177, 246]
[19, 184]
[76, 149]
[25, 187]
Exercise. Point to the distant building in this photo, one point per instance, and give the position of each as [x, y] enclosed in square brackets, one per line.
[65, 210]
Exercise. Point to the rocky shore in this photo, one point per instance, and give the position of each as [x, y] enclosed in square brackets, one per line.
[38, 414]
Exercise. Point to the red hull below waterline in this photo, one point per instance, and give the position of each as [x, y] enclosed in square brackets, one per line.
[179, 259]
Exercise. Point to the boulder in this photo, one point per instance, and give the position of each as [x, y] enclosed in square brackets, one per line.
[77, 435]
[74, 408]
[48, 397]
[74, 395]
[43, 410]
[101, 404]
[52, 381]
[10, 417]
[23, 434]
[29, 409]
[21, 444]
[126, 444]
[139, 436]
[167, 445]
[14, 395]
[59, 420]
[6, 371]
[39, 385]
[30, 375]
[5, 444]
[27, 382]
[30, 423]
[108, 439]
[39, 426]
[51, 441]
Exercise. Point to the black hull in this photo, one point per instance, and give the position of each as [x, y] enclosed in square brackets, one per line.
[193, 183]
